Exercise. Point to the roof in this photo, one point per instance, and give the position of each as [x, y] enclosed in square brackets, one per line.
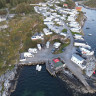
[78, 57]
[78, 8]
[58, 64]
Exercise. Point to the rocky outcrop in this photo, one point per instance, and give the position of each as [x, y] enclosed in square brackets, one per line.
[5, 81]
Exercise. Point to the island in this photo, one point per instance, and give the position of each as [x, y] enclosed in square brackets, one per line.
[45, 32]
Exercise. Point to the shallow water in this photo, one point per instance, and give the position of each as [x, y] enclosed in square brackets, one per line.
[33, 83]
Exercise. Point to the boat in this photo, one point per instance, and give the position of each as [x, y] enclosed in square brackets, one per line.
[89, 34]
[38, 68]
[87, 28]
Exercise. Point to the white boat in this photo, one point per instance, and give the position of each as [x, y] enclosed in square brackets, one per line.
[89, 34]
[38, 68]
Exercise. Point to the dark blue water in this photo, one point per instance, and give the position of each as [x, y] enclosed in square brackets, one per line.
[33, 83]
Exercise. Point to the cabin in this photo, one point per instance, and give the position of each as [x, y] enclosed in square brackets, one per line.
[58, 64]
[78, 8]
[65, 5]
[37, 36]
[79, 61]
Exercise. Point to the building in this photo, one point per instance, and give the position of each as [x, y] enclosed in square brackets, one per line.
[58, 64]
[78, 8]
[65, 5]
[79, 61]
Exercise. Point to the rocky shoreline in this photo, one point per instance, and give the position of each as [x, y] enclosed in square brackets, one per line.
[8, 80]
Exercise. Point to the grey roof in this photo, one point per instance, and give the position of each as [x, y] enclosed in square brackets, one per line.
[78, 57]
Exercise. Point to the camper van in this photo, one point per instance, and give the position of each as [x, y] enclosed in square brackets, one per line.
[27, 54]
[32, 50]
[47, 44]
[39, 46]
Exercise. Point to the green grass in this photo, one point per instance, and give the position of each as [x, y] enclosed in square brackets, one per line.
[20, 31]
[75, 33]
[63, 45]
[64, 30]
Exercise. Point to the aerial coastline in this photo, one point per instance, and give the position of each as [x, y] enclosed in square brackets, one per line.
[60, 31]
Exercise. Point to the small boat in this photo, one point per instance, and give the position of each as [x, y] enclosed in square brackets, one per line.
[89, 34]
[38, 68]
[87, 28]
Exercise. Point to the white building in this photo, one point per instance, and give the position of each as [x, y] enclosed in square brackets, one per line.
[79, 61]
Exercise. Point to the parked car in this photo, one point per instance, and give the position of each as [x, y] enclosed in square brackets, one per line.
[53, 50]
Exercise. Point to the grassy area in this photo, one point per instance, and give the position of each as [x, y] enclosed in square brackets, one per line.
[90, 3]
[17, 38]
[63, 45]
[64, 30]
[80, 17]
[76, 33]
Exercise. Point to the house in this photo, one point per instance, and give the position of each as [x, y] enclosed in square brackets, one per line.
[58, 64]
[79, 61]
[47, 31]
[65, 5]
[56, 44]
[78, 8]
[37, 36]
